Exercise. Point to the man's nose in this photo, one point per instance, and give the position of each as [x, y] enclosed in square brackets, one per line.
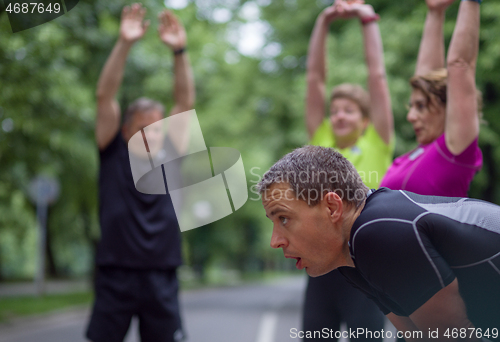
[278, 240]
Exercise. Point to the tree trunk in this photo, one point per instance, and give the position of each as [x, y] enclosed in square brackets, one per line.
[49, 250]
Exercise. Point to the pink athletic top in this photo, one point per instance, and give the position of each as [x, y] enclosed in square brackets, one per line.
[433, 170]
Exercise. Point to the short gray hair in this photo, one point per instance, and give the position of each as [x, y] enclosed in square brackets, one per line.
[315, 170]
[142, 104]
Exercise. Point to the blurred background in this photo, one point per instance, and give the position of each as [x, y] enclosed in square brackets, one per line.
[249, 62]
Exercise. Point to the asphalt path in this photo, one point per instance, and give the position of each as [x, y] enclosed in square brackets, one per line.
[258, 312]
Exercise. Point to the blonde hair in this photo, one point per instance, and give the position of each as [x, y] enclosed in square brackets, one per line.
[354, 93]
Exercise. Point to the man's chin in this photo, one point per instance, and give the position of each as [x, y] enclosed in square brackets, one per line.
[314, 273]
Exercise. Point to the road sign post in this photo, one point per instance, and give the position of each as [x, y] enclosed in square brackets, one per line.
[43, 191]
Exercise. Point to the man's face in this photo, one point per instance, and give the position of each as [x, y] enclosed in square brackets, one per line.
[307, 234]
[155, 135]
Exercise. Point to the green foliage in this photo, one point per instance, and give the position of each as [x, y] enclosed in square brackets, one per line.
[30, 305]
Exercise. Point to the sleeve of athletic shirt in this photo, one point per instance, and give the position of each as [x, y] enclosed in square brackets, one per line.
[400, 263]
[112, 146]
[471, 156]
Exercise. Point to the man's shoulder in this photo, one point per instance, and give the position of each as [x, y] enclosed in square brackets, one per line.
[385, 212]
[116, 144]
[382, 204]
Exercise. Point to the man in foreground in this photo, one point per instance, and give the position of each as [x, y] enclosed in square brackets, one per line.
[140, 247]
[430, 263]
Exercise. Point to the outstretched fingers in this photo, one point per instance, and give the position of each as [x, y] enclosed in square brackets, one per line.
[133, 26]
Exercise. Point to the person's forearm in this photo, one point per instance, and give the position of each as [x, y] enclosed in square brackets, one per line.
[431, 54]
[444, 312]
[316, 75]
[316, 64]
[374, 52]
[380, 100]
[184, 90]
[464, 44]
[112, 73]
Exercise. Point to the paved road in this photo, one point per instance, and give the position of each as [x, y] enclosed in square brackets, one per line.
[248, 313]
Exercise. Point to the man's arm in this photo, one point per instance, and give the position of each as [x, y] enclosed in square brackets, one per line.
[445, 310]
[431, 52]
[462, 121]
[173, 34]
[442, 312]
[405, 325]
[132, 28]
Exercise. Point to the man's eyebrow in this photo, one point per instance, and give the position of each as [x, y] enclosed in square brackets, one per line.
[276, 211]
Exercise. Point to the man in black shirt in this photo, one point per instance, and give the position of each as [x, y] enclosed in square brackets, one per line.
[139, 249]
[432, 264]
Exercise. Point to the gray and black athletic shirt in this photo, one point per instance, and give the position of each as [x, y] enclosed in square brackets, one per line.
[406, 247]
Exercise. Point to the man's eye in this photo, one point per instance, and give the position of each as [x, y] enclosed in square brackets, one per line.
[283, 220]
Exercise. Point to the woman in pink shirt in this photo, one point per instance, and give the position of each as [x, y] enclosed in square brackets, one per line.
[444, 109]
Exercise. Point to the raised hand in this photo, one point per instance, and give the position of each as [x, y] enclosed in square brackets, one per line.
[347, 9]
[330, 14]
[171, 30]
[132, 26]
[438, 4]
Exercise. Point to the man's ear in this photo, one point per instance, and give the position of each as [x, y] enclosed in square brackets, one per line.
[334, 205]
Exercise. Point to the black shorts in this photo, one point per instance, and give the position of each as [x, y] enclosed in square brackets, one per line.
[121, 293]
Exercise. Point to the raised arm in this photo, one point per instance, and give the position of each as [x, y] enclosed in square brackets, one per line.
[316, 70]
[132, 28]
[173, 34]
[380, 99]
[462, 121]
[431, 52]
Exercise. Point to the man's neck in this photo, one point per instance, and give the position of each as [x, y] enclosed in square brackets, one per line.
[350, 217]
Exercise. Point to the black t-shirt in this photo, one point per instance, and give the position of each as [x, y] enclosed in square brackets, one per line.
[406, 247]
[138, 230]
